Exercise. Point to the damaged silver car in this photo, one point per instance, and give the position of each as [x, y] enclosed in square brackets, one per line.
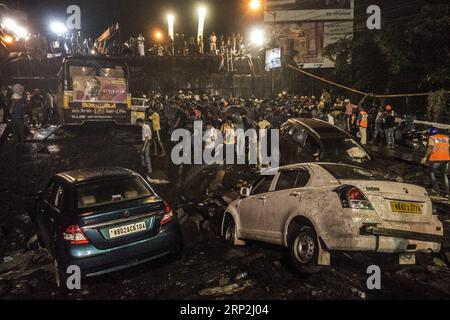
[316, 208]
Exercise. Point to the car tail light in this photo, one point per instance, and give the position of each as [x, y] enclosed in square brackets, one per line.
[168, 215]
[352, 197]
[75, 235]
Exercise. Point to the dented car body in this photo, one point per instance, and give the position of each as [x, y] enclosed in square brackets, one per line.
[311, 140]
[316, 208]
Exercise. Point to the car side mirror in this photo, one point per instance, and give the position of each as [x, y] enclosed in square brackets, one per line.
[245, 192]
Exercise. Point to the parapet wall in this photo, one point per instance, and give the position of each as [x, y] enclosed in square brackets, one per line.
[168, 74]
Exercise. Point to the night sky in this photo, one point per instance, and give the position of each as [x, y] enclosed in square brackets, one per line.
[134, 16]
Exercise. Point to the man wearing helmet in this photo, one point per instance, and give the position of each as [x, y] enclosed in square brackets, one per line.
[439, 156]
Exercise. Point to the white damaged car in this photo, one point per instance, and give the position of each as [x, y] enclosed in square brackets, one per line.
[316, 208]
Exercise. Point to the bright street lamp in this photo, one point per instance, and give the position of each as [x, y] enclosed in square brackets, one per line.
[58, 28]
[158, 36]
[201, 21]
[171, 21]
[8, 39]
[255, 5]
[257, 37]
[9, 24]
[12, 26]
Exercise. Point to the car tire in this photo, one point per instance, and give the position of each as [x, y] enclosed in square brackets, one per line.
[304, 250]
[229, 232]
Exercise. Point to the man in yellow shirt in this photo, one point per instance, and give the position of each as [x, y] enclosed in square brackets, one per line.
[156, 128]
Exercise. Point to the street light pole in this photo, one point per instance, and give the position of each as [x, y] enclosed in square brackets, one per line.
[171, 20]
[201, 22]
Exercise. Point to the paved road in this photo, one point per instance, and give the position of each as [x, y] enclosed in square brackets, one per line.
[207, 262]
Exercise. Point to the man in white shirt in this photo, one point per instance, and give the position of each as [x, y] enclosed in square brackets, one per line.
[210, 136]
[145, 150]
[213, 43]
[141, 45]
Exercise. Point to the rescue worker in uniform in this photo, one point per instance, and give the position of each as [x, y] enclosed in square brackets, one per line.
[439, 157]
[363, 123]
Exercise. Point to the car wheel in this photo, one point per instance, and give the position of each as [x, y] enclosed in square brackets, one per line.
[229, 233]
[304, 249]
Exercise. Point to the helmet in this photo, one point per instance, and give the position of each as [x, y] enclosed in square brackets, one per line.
[388, 107]
[433, 131]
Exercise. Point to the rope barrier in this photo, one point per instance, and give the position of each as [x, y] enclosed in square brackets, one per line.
[361, 92]
[328, 81]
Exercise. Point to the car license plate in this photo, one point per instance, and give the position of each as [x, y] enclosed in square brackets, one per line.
[406, 207]
[126, 230]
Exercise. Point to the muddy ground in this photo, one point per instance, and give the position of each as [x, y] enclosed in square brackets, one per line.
[256, 271]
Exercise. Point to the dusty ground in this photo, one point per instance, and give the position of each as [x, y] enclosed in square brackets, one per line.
[265, 270]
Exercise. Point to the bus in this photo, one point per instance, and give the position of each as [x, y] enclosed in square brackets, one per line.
[93, 89]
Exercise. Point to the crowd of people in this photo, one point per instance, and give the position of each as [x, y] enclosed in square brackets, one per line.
[366, 121]
[22, 108]
[136, 46]
[179, 45]
[369, 122]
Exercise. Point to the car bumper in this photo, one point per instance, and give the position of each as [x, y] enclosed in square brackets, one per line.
[94, 262]
[396, 241]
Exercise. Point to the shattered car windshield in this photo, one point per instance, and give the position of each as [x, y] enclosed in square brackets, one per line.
[343, 172]
[349, 149]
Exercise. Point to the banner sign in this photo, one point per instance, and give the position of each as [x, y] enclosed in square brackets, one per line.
[273, 59]
[305, 41]
[80, 115]
[308, 10]
[99, 89]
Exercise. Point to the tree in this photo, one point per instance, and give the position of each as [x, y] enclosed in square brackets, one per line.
[409, 54]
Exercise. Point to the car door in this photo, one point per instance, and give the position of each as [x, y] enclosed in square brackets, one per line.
[42, 212]
[53, 211]
[252, 209]
[285, 200]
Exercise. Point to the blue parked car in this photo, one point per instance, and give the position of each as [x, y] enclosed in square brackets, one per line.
[103, 220]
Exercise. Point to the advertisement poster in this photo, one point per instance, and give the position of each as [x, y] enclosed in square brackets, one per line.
[305, 41]
[99, 89]
[308, 10]
[273, 59]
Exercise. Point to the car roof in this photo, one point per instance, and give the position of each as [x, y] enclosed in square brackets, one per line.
[95, 174]
[308, 164]
[320, 128]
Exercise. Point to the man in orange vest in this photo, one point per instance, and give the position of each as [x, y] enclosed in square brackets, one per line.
[439, 156]
[363, 123]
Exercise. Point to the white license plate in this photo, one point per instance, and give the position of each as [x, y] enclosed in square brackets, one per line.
[126, 230]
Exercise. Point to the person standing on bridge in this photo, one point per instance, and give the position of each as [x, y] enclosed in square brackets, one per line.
[141, 45]
[439, 156]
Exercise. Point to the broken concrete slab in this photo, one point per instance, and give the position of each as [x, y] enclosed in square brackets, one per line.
[227, 290]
